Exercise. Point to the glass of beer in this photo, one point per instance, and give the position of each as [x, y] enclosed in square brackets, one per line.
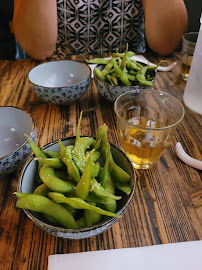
[146, 122]
[187, 52]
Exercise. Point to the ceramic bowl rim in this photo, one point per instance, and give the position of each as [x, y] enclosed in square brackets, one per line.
[33, 127]
[111, 220]
[54, 87]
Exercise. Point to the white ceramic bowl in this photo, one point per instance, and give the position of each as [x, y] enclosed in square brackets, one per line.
[27, 184]
[60, 82]
[14, 146]
[112, 92]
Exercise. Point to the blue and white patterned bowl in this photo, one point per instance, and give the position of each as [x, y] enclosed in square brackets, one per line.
[27, 184]
[60, 82]
[112, 92]
[14, 146]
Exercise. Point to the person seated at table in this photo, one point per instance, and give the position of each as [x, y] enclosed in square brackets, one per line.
[50, 27]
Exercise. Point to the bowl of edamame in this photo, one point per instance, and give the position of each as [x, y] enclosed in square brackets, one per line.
[121, 74]
[60, 82]
[14, 145]
[76, 187]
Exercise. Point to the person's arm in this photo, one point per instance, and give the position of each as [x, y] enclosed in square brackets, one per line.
[35, 26]
[165, 23]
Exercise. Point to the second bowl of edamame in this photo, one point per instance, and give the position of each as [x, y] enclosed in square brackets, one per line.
[121, 74]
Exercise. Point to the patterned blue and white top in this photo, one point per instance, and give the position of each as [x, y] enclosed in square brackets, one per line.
[99, 26]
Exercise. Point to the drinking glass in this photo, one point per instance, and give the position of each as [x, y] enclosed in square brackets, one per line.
[146, 121]
[187, 52]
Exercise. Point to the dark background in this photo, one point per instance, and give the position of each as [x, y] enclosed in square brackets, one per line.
[194, 9]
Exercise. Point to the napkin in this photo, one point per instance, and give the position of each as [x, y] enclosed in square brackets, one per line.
[177, 256]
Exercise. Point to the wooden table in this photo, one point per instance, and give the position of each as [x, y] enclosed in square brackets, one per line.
[167, 204]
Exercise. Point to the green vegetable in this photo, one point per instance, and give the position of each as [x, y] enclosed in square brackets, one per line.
[87, 197]
[38, 203]
[118, 70]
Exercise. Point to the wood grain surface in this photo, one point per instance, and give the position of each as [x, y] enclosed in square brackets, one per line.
[167, 204]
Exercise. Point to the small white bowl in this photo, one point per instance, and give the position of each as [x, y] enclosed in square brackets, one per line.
[60, 82]
[14, 146]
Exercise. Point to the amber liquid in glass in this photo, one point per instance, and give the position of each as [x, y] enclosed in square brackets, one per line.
[144, 147]
[185, 68]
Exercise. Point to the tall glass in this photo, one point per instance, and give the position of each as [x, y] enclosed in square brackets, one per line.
[187, 52]
[147, 120]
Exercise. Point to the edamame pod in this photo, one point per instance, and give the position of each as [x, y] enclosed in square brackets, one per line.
[55, 163]
[38, 203]
[83, 187]
[91, 217]
[102, 131]
[51, 153]
[42, 190]
[78, 153]
[98, 190]
[115, 171]
[66, 158]
[79, 204]
[47, 176]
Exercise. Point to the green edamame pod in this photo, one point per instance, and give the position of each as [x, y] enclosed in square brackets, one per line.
[109, 78]
[42, 190]
[20, 195]
[78, 127]
[79, 204]
[108, 184]
[83, 186]
[66, 158]
[38, 203]
[50, 219]
[120, 73]
[95, 155]
[111, 206]
[95, 199]
[47, 176]
[91, 217]
[99, 74]
[141, 77]
[51, 153]
[125, 187]
[107, 68]
[81, 222]
[98, 190]
[63, 175]
[55, 163]
[71, 209]
[101, 61]
[36, 150]
[115, 171]
[78, 153]
[114, 80]
[123, 62]
[102, 131]
[95, 169]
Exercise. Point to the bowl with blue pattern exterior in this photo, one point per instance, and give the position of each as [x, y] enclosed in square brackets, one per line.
[60, 82]
[112, 92]
[27, 184]
[14, 146]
